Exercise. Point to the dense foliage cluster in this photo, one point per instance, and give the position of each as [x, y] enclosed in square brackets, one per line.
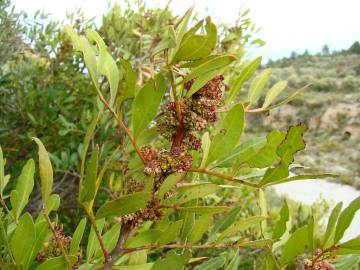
[165, 177]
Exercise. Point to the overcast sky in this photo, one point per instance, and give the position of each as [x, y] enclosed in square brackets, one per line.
[287, 25]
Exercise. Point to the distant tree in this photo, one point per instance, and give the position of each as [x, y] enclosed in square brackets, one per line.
[293, 55]
[355, 48]
[325, 50]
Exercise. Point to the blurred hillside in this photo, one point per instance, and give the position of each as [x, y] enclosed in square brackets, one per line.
[330, 107]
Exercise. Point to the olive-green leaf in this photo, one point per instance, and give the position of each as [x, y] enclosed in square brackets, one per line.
[234, 263]
[93, 240]
[263, 209]
[351, 244]
[244, 75]
[123, 205]
[56, 263]
[295, 245]
[275, 90]
[24, 187]
[77, 236]
[144, 266]
[240, 225]
[23, 239]
[347, 263]
[201, 226]
[193, 46]
[280, 225]
[2, 172]
[146, 104]
[202, 80]
[331, 226]
[168, 183]
[192, 192]
[204, 209]
[224, 222]
[212, 264]
[229, 136]
[46, 171]
[257, 86]
[143, 238]
[346, 218]
[171, 233]
[130, 79]
[214, 63]
[171, 261]
[89, 184]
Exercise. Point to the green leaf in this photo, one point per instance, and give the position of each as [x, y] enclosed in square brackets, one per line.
[2, 172]
[224, 222]
[168, 183]
[24, 187]
[280, 226]
[110, 238]
[171, 261]
[295, 245]
[138, 257]
[274, 92]
[46, 171]
[288, 99]
[234, 263]
[89, 134]
[92, 240]
[256, 243]
[123, 205]
[146, 104]
[330, 229]
[144, 238]
[240, 225]
[193, 46]
[77, 236]
[53, 203]
[212, 264]
[145, 266]
[130, 79]
[346, 218]
[202, 80]
[56, 263]
[269, 263]
[347, 263]
[89, 184]
[212, 64]
[232, 128]
[292, 143]
[258, 85]
[244, 75]
[286, 179]
[171, 234]
[193, 192]
[23, 239]
[204, 209]
[263, 209]
[311, 228]
[267, 156]
[105, 65]
[200, 227]
[83, 45]
[205, 146]
[351, 244]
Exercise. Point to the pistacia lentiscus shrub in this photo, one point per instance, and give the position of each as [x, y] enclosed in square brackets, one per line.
[173, 188]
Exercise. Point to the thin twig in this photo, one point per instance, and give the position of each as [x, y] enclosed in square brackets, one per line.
[226, 177]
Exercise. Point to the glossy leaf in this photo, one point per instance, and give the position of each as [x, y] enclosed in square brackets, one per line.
[77, 236]
[232, 128]
[240, 225]
[146, 104]
[280, 225]
[257, 86]
[346, 218]
[123, 205]
[171, 261]
[24, 187]
[295, 245]
[46, 171]
[331, 226]
[274, 92]
[23, 239]
[244, 75]
[56, 263]
[211, 264]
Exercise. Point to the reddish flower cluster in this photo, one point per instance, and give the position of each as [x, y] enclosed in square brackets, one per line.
[52, 248]
[319, 265]
[196, 113]
[164, 162]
